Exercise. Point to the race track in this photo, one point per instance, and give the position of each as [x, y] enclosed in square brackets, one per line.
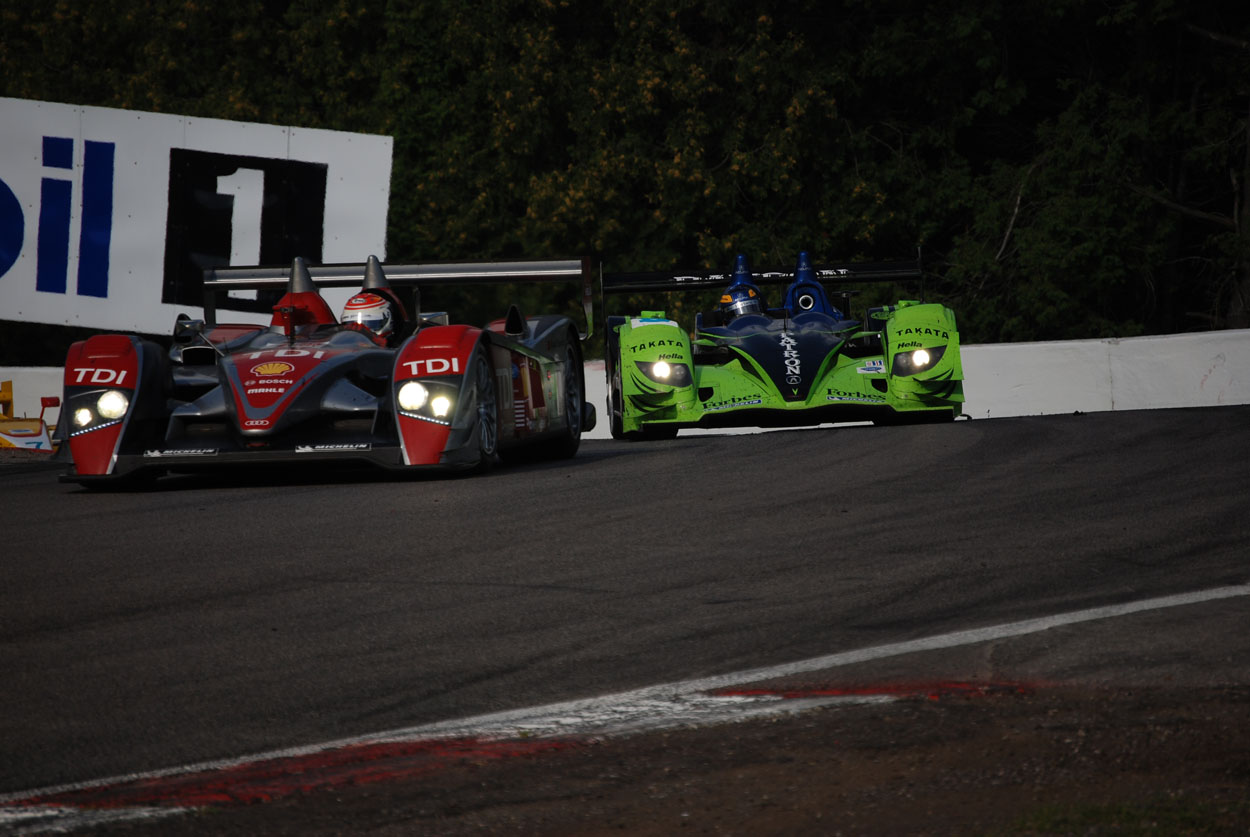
[212, 619]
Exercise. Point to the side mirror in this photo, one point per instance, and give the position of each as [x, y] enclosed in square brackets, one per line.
[47, 402]
[187, 329]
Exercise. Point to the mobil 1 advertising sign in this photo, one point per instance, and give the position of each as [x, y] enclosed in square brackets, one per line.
[109, 217]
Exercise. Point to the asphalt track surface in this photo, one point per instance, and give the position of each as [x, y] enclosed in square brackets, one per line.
[215, 618]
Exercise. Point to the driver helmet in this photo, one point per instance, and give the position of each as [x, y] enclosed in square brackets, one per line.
[371, 311]
[741, 298]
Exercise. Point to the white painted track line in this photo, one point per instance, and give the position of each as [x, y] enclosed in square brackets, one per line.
[669, 705]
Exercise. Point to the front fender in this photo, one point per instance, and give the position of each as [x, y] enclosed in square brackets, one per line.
[439, 358]
[101, 364]
[644, 344]
[922, 355]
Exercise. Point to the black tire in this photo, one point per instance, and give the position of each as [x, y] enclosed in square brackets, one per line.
[614, 403]
[566, 444]
[487, 410]
[612, 366]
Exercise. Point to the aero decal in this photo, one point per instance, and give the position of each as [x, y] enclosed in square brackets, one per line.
[55, 203]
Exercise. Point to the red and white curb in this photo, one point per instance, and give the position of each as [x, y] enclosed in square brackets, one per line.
[419, 750]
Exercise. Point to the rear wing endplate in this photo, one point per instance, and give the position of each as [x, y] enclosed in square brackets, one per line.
[223, 279]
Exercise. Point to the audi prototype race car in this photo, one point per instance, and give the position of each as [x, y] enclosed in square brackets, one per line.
[803, 363]
[376, 386]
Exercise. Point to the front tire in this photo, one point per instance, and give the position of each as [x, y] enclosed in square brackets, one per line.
[615, 404]
[487, 410]
[566, 445]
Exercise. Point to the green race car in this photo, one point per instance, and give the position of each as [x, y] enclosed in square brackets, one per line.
[804, 363]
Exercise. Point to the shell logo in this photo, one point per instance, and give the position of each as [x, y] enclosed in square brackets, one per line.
[272, 367]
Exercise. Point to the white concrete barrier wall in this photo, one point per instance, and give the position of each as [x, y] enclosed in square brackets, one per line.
[1208, 369]
[1139, 373]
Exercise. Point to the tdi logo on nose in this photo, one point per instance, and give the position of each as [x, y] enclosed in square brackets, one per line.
[433, 365]
[99, 376]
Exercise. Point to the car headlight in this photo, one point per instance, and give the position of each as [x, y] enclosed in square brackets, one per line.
[112, 404]
[82, 417]
[917, 360]
[663, 372]
[412, 396]
[440, 406]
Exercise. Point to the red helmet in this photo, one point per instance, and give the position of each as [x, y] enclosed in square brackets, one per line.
[374, 312]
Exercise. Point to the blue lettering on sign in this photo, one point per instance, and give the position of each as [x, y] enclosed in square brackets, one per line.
[54, 211]
[12, 228]
[56, 196]
[97, 219]
[53, 248]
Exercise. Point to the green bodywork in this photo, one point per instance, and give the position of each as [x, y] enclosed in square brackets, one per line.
[782, 371]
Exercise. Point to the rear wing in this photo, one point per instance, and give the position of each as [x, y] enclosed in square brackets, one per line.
[668, 282]
[219, 280]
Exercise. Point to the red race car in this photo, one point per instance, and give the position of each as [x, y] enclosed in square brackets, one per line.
[376, 385]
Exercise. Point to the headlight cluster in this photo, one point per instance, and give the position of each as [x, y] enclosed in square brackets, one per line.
[93, 410]
[917, 360]
[663, 372]
[427, 401]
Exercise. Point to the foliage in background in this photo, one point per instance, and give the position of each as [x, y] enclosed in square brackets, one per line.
[1069, 169]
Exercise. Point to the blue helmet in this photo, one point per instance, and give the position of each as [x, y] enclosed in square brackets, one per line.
[742, 296]
[741, 299]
